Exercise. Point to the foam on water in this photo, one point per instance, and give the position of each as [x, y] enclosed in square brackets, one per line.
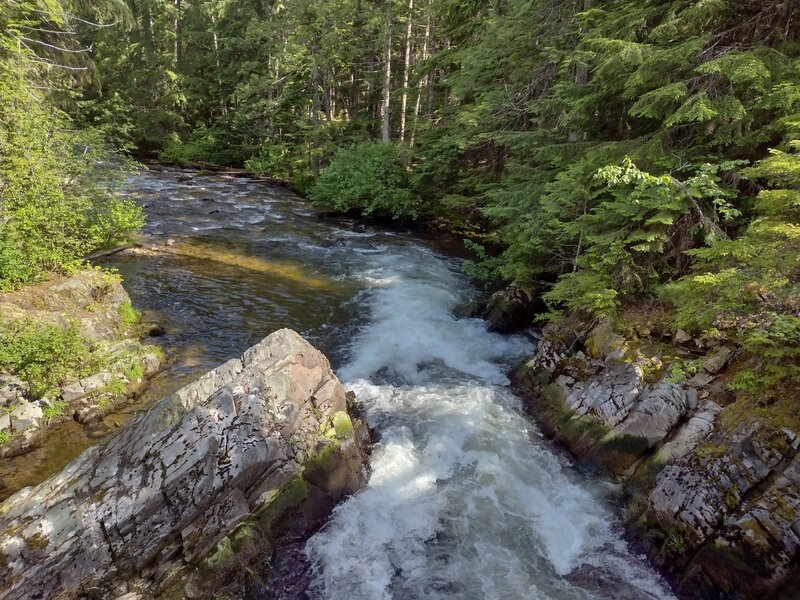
[465, 499]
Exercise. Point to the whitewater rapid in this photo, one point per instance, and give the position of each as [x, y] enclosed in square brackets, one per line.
[465, 499]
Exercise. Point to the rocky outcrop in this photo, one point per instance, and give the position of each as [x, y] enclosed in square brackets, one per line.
[205, 473]
[511, 309]
[99, 305]
[713, 497]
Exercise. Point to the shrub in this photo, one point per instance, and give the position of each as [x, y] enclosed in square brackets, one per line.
[44, 356]
[55, 197]
[371, 179]
[128, 315]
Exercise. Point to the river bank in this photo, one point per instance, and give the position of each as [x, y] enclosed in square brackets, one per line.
[710, 476]
[86, 318]
[448, 508]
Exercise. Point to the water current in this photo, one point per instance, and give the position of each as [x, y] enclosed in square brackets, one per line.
[466, 499]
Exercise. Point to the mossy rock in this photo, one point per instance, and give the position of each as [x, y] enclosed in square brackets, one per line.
[290, 496]
[342, 425]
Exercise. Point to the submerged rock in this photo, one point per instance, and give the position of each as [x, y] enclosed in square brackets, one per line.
[348, 242]
[206, 473]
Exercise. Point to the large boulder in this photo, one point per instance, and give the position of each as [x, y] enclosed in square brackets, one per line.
[511, 309]
[205, 471]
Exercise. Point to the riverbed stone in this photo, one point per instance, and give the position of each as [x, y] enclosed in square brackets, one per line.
[26, 416]
[161, 494]
[656, 413]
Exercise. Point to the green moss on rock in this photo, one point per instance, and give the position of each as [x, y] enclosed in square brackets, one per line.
[343, 425]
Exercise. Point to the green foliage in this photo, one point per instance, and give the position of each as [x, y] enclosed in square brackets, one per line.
[4, 437]
[128, 315]
[55, 410]
[618, 149]
[748, 285]
[134, 371]
[484, 268]
[55, 203]
[371, 179]
[44, 356]
[116, 387]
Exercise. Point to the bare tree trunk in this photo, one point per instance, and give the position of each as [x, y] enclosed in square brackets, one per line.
[215, 39]
[422, 80]
[581, 71]
[315, 101]
[387, 73]
[329, 96]
[431, 75]
[177, 33]
[355, 75]
[407, 68]
[147, 26]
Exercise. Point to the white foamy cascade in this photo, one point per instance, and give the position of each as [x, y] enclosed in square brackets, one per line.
[465, 499]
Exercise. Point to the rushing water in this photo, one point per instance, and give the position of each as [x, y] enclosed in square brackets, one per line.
[465, 500]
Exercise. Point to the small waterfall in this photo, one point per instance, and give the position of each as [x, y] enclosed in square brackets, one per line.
[466, 500]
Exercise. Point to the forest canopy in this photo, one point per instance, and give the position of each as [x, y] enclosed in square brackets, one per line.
[613, 151]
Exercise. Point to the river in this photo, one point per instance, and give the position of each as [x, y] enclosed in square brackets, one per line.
[466, 499]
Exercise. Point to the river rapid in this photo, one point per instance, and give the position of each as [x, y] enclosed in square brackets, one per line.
[466, 499]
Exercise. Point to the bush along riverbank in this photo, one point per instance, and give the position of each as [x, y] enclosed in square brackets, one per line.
[710, 469]
[69, 349]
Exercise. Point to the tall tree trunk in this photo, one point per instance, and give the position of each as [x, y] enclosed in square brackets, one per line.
[406, 69]
[215, 39]
[581, 71]
[177, 33]
[329, 100]
[422, 80]
[387, 73]
[431, 74]
[315, 102]
[355, 75]
[147, 27]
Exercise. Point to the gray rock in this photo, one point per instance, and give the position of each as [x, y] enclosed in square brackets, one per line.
[12, 390]
[162, 492]
[656, 413]
[717, 359]
[681, 337]
[5, 421]
[84, 387]
[694, 494]
[26, 416]
[699, 380]
[72, 392]
[690, 434]
[151, 364]
[609, 397]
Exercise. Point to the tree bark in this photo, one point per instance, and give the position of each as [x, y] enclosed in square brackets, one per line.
[315, 102]
[387, 74]
[178, 50]
[407, 67]
[422, 80]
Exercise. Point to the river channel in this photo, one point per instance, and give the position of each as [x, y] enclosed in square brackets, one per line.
[466, 499]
